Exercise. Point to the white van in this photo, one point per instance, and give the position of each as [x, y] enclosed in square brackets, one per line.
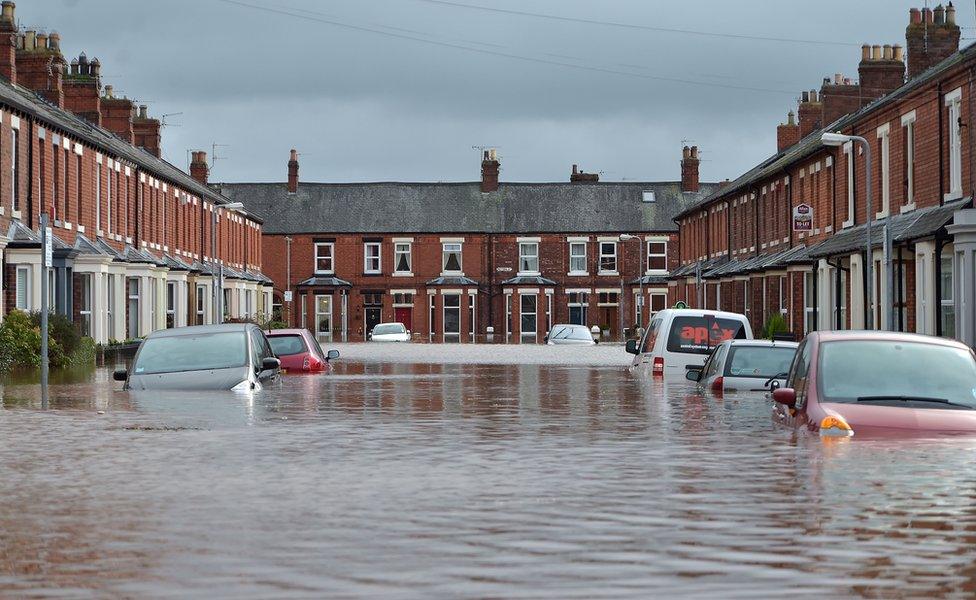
[680, 338]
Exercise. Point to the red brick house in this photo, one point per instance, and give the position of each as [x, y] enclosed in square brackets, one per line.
[789, 236]
[457, 262]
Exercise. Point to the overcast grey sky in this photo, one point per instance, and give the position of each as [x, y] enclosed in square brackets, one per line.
[371, 90]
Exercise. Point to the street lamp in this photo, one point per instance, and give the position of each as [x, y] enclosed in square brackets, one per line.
[839, 139]
[217, 308]
[626, 237]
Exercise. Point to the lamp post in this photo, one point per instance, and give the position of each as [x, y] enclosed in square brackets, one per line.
[838, 139]
[626, 237]
[219, 280]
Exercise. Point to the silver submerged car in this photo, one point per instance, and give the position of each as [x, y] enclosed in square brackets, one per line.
[234, 357]
[570, 335]
[745, 366]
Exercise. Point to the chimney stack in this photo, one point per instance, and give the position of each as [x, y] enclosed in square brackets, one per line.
[198, 166]
[40, 66]
[489, 171]
[578, 176]
[293, 172]
[82, 91]
[931, 37]
[689, 169]
[117, 113]
[8, 42]
[787, 134]
[838, 98]
[882, 73]
[146, 132]
[810, 113]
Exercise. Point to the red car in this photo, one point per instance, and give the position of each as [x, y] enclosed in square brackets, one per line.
[843, 383]
[299, 351]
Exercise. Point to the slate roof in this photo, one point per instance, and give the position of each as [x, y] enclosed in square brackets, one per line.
[461, 207]
[651, 280]
[324, 282]
[775, 164]
[452, 281]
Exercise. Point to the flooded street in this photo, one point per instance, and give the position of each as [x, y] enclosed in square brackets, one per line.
[422, 480]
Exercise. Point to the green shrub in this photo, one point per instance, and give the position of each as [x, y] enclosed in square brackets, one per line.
[20, 342]
[84, 354]
[775, 324]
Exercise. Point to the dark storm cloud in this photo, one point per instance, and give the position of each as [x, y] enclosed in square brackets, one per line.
[403, 89]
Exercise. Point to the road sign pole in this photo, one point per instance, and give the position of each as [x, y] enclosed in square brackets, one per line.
[47, 260]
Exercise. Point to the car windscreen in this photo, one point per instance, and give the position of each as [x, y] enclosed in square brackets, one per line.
[759, 361]
[389, 329]
[699, 334]
[194, 352]
[878, 369]
[285, 345]
[571, 333]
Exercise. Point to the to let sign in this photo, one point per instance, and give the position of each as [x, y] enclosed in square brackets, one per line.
[802, 218]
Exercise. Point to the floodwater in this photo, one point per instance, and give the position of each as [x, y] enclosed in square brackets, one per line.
[419, 480]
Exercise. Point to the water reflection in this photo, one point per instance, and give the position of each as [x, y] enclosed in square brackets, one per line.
[465, 481]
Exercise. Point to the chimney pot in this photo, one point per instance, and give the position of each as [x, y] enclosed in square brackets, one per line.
[30, 40]
[575, 171]
[950, 14]
[96, 68]
[7, 16]
[927, 14]
[899, 53]
[813, 95]
[939, 15]
[41, 40]
[694, 151]
[109, 91]
[888, 54]
[876, 52]
[838, 78]
[791, 118]
[804, 97]
[143, 111]
[865, 52]
[54, 41]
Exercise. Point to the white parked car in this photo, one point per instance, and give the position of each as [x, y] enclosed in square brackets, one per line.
[570, 335]
[390, 332]
[678, 339]
[745, 366]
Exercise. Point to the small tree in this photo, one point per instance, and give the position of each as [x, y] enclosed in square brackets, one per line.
[775, 324]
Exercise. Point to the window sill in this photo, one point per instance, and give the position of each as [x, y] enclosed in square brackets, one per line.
[908, 208]
[325, 272]
[451, 274]
[846, 224]
[372, 274]
[954, 195]
[528, 274]
[882, 215]
[609, 274]
[403, 274]
[577, 274]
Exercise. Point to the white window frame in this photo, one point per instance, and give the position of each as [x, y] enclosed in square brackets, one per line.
[953, 101]
[884, 164]
[472, 316]
[528, 251]
[171, 310]
[377, 268]
[650, 307]
[331, 258]
[108, 204]
[650, 255]
[402, 249]
[456, 247]
[535, 315]
[616, 264]
[201, 308]
[849, 159]
[98, 195]
[908, 130]
[110, 306]
[15, 170]
[24, 285]
[577, 257]
[87, 294]
[808, 301]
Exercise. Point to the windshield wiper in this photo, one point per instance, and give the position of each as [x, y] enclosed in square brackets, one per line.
[912, 399]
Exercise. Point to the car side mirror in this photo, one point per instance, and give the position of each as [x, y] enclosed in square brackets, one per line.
[120, 375]
[632, 347]
[693, 375]
[332, 355]
[545, 339]
[785, 396]
[270, 364]
[409, 332]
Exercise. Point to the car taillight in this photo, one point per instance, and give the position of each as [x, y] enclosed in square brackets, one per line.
[718, 385]
[305, 364]
[658, 368]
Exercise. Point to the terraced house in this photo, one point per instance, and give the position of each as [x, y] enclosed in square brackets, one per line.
[459, 262]
[138, 244]
[789, 236]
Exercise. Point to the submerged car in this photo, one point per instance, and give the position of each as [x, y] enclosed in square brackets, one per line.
[390, 332]
[206, 357]
[678, 339]
[843, 383]
[299, 351]
[570, 335]
[745, 366]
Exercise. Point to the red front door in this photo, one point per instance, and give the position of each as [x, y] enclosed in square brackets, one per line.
[404, 314]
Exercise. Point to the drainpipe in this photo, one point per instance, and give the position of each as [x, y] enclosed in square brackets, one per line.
[864, 288]
[728, 229]
[816, 299]
[940, 241]
[491, 280]
[900, 294]
[939, 107]
[839, 294]
[755, 222]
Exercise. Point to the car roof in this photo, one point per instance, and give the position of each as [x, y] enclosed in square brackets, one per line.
[275, 332]
[696, 312]
[195, 329]
[893, 336]
[763, 343]
[571, 326]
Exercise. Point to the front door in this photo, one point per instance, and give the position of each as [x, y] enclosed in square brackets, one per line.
[323, 318]
[374, 316]
[452, 318]
[404, 314]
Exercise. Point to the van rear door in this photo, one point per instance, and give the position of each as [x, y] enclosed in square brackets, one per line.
[691, 339]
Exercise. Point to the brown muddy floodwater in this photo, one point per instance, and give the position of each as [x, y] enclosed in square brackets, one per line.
[408, 480]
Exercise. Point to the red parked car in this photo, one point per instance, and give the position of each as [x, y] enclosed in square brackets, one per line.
[843, 383]
[299, 351]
